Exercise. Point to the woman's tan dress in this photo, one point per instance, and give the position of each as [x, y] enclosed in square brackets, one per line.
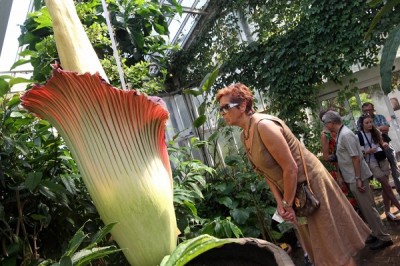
[336, 232]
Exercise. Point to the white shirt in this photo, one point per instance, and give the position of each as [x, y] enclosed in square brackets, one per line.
[347, 147]
[367, 136]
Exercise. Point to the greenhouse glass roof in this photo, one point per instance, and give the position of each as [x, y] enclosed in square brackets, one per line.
[14, 13]
[181, 27]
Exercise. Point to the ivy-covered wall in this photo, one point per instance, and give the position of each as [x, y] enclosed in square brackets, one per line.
[298, 45]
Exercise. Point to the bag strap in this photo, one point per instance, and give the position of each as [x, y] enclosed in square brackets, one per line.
[360, 138]
[369, 143]
[305, 167]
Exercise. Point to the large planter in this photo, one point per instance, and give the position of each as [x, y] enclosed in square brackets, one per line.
[246, 252]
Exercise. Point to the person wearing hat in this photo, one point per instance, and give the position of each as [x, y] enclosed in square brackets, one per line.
[356, 174]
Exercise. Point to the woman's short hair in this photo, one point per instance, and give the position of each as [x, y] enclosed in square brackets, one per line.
[238, 93]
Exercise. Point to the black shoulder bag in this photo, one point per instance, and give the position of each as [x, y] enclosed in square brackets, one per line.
[379, 155]
[305, 202]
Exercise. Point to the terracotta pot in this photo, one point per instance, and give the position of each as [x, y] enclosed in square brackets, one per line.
[249, 252]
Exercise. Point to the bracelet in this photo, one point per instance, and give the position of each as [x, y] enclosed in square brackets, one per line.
[286, 204]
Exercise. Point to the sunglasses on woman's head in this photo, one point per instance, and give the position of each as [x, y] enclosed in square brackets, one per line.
[225, 108]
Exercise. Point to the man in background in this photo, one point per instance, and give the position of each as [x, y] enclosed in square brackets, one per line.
[382, 124]
[356, 174]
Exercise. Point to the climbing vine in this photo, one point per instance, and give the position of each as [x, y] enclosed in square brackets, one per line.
[296, 47]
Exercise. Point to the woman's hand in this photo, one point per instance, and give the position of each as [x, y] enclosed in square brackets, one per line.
[287, 214]
[371, 150]
[385, 145]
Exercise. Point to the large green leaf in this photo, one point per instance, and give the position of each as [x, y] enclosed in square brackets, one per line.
[227, 201]
[388, 56]
[14, 101]
[75, 242]
[209, 80]
[191, 207]
[4, 87]
[192, 92]
[199, 121]
[190, 249]
[100, 235]
[240, 215]
[69, 184]
[20, 63]
[388, 7]
[202, 108]
[18, 80]
[84, 257]
[66, 261]
[33, 180]
[235, 230]
[43, 19]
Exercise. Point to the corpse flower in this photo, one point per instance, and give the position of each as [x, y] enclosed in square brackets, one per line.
[117, 140]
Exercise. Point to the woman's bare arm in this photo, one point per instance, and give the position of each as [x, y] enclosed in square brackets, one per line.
[272, 137]
[325, 146]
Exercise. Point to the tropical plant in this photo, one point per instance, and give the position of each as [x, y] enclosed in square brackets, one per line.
[52, 185]
[84, 256]
[392, 42]
[192, 248]
[139, 36]
[189, 176]
[118, 144]
[40, 186]
[238, 193]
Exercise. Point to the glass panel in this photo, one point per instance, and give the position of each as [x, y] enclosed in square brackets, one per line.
[201, 4]
[184, 115]
[187, 29]
[172, 126]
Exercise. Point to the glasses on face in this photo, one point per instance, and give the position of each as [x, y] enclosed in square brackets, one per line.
[223, 110]
[370, 110]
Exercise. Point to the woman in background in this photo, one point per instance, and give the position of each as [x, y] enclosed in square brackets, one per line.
[372, 142]
[278, 156]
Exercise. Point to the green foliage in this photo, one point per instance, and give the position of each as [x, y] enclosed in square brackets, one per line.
[134, 24]
[296, 47]
[239, 194]
[221, 228]
[189, 180]
[389, 53]
[386, 9]
[86, 255]
[192, 248]
[40, 188]
[392, 43]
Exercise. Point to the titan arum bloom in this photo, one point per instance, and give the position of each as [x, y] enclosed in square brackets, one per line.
[117, 140]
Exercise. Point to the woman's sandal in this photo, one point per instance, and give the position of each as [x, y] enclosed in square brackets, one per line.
[390, 216]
